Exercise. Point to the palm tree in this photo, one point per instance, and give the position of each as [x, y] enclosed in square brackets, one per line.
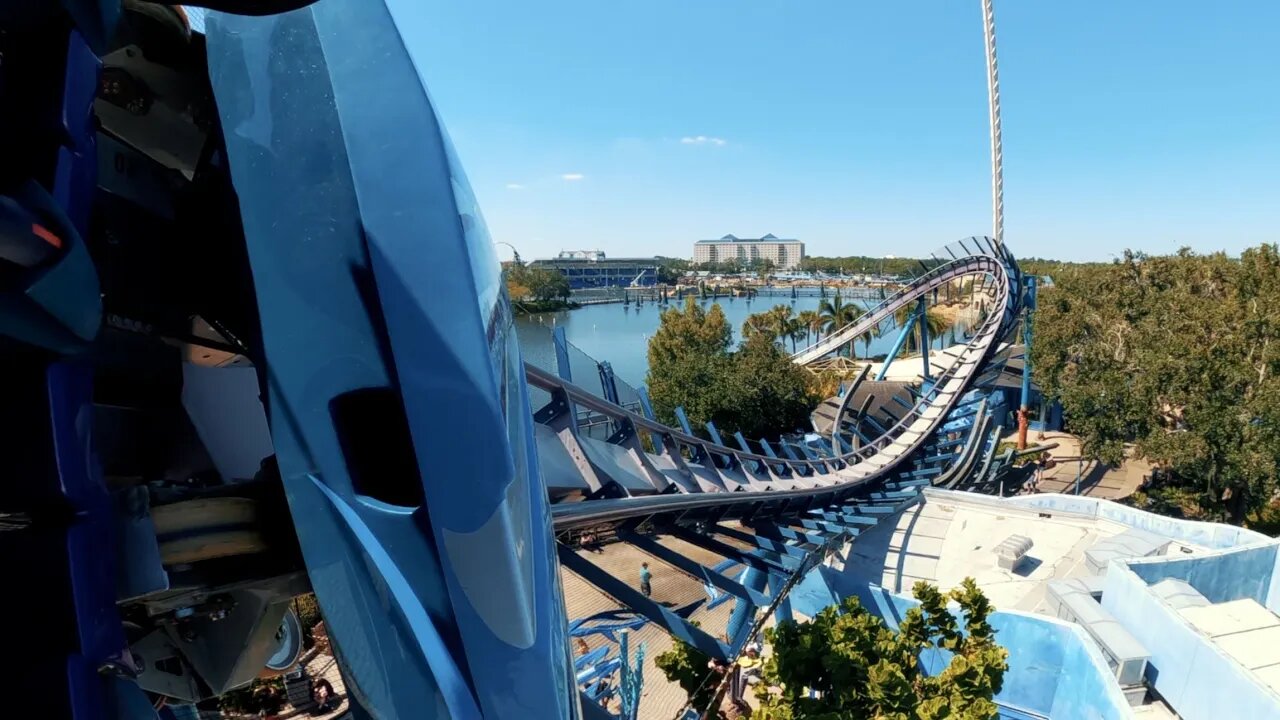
[757, 324]
[935, 321]
[812, 323]
[780, 319]
[797, 331]
[873, 334]
[836, 314]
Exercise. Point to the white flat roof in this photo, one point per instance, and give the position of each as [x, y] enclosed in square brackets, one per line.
[945, 540]
[1246, 631]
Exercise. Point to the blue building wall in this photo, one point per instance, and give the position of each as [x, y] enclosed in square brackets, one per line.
[1055, 670]
[1192, 674]
[603, 274]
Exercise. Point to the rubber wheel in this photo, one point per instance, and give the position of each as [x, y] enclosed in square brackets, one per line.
[208, 529]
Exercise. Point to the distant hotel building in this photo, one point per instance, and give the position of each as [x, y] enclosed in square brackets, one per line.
[785, 254]
[590, 269]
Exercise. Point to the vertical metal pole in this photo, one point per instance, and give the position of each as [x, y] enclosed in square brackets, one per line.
[922, 311]
[1028, 314]
[993, 107]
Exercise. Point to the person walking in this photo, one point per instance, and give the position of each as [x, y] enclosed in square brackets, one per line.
[646, 580]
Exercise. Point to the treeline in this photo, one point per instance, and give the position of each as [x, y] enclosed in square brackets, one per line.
[671, 269]
[534, 289]
[1180, 357]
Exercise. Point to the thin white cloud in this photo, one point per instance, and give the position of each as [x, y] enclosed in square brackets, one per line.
[703, 140]
[572, 176]
[514, 186]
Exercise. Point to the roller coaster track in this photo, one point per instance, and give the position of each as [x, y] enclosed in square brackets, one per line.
[777, 517]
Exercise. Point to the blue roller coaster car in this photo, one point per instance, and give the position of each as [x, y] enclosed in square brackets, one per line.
[254, 344]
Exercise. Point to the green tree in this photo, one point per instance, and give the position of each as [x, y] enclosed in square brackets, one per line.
[755, 389]
[836, 314]
[688, 357]
[670, 270]
[1178, 356]
[812, 323]
[765, 394]
[857, 668]
[935, 322]
[526, 282]
[692, 670]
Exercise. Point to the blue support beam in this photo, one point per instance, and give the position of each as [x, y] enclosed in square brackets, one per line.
[784, 532]
[743, 615]
[635, 600]
[782, 613]
[897, 346]
[561, 343]
[922, 311]
[844, 518]
[707, 575]
[761, 542]
[781, 564]
[683, 420]
[714, 433]
[645, 405]
[608, 383]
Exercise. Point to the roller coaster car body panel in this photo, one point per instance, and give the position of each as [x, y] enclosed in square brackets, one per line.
[379, 331]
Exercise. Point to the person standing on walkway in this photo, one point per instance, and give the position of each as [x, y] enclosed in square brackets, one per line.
[646, 580]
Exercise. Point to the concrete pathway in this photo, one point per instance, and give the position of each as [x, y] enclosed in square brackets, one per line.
[1096, 480]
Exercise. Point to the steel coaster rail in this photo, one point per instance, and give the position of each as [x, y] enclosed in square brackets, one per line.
[972, 263]
[809, 477]
[967, 264]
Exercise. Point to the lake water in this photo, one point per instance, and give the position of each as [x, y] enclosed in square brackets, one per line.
[620, 333]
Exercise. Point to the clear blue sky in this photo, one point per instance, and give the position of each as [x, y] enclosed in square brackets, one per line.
[861, 128]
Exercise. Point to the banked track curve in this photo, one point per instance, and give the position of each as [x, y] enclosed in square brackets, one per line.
[772, 518]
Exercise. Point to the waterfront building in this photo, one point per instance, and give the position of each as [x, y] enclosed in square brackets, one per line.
[591, 269]
[785, 254]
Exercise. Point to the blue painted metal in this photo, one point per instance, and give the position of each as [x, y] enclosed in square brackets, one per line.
[683, 420]
[606, 624]
[632, 679]
[561, 343]
[1028, 316]
[645, 405]
[903, 333]
[356, 293]
[608, 383]
[590, 658]
[673, 623]
[714, 433]
[761, 542]
[743, 614]
[921, 312]
[705, 574]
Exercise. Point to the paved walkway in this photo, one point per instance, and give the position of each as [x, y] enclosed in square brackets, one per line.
[1096, 480]
[659, 699]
